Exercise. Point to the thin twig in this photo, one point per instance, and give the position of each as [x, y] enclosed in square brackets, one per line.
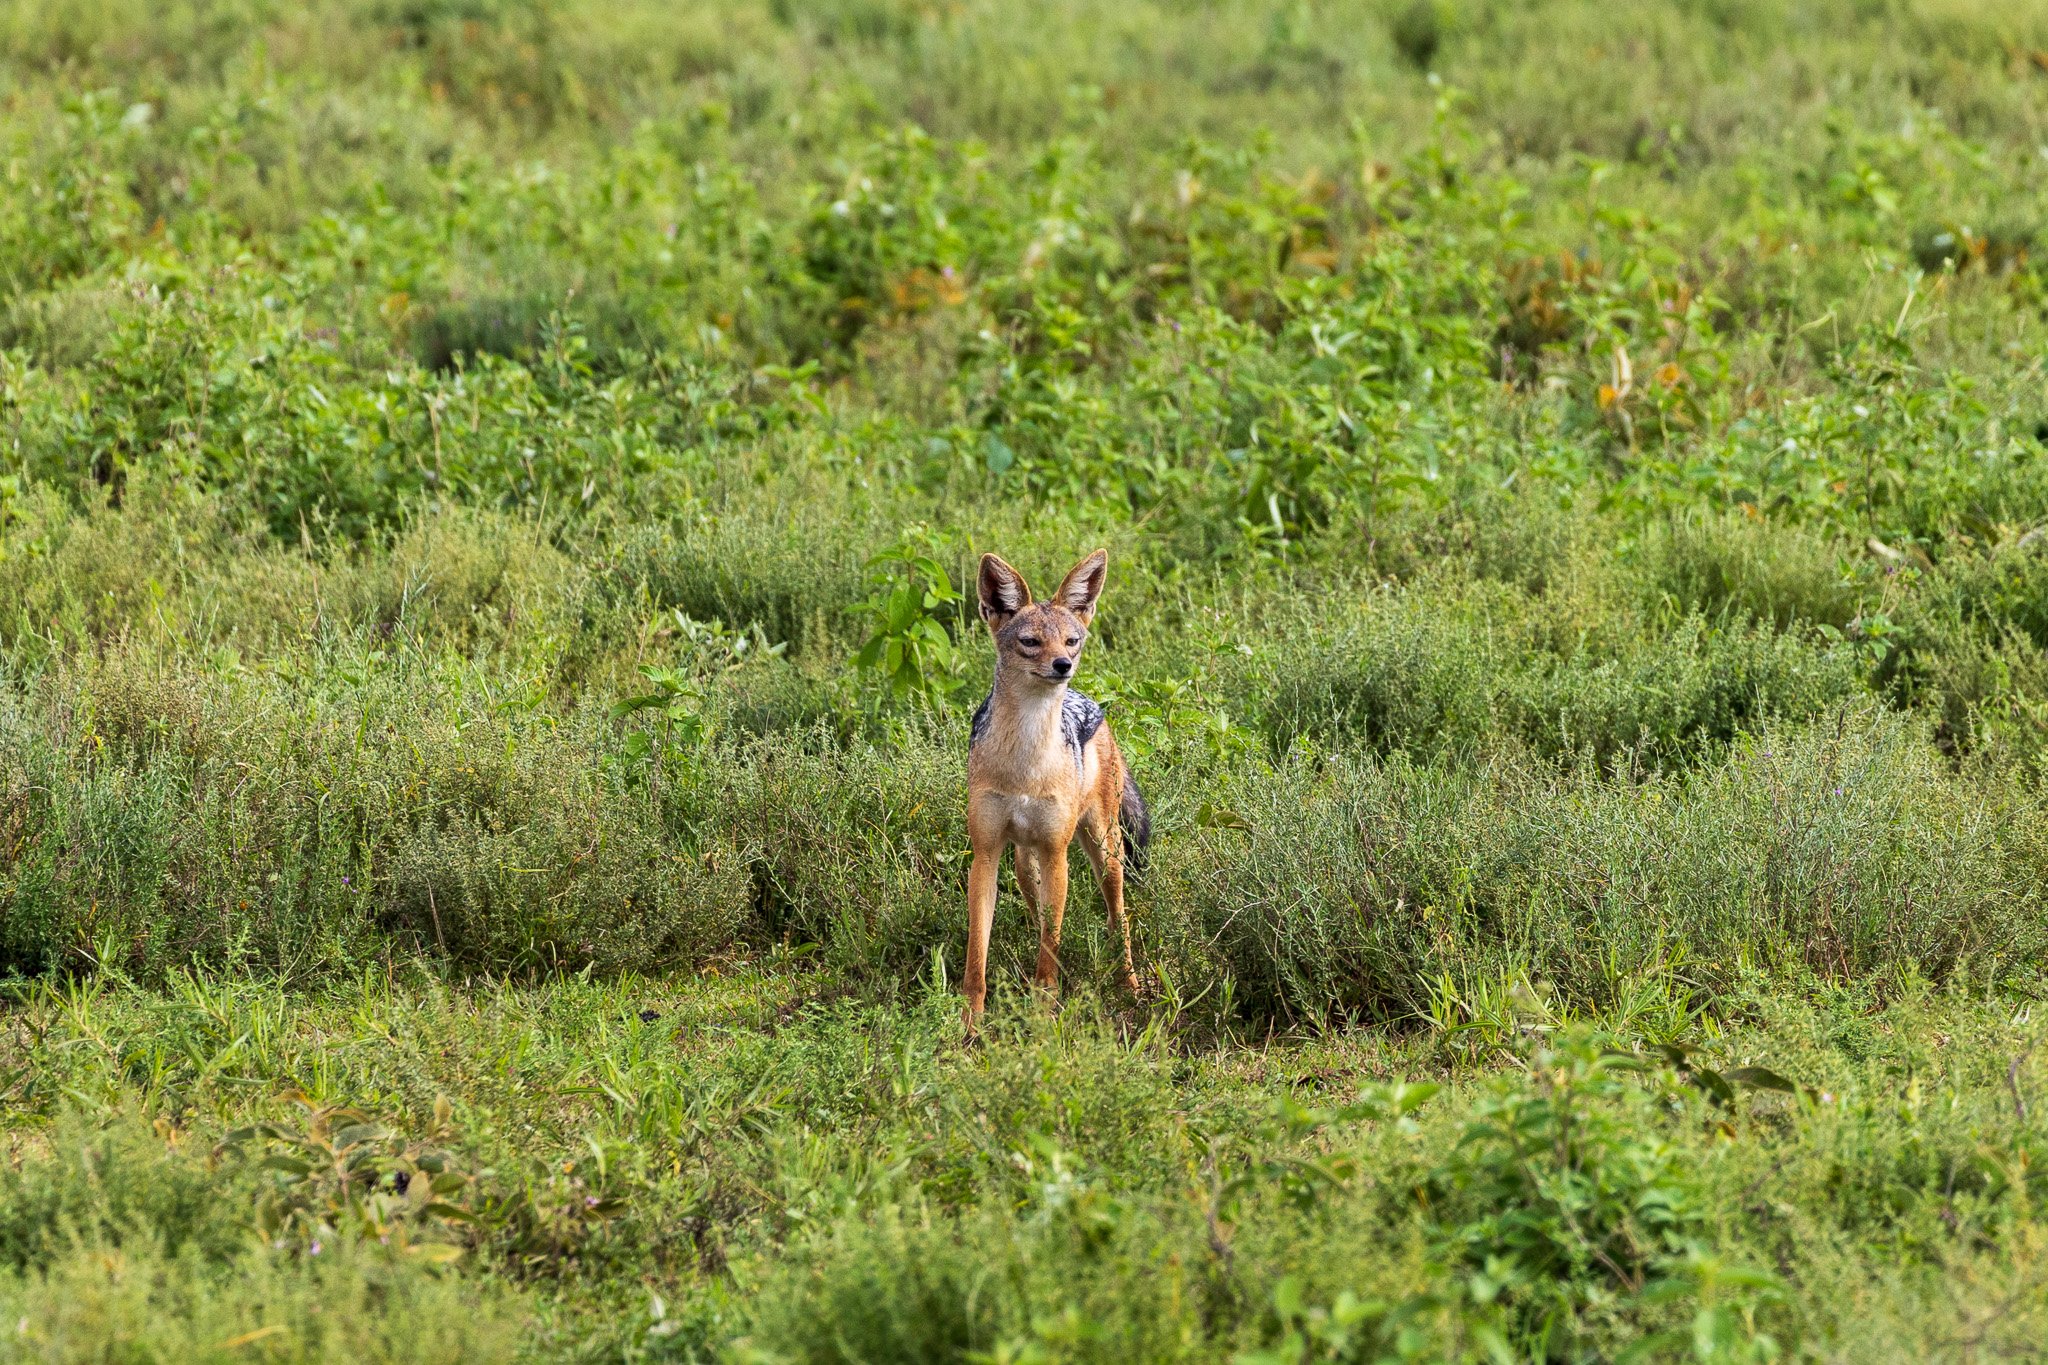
[433, 910]
[1756, 1186]
[1217, 1242]
[2012, 1081]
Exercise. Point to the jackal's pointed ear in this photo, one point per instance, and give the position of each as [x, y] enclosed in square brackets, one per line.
[1083, 585]
[1004, 592]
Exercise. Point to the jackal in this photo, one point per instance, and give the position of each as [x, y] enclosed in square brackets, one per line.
[1043, 767]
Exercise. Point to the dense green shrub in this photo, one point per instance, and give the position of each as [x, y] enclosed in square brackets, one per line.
[1739, 567]
[1350, 886]
[1431, 672]
[222, 822]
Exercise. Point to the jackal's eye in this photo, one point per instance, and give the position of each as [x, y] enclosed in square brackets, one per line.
[1029, 641]
[1073, 642]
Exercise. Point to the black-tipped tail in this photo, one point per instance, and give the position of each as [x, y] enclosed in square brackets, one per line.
[1136, 818]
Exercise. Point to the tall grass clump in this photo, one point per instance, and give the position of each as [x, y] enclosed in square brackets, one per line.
[1347, 886]
[1453, 668]
[170, 818]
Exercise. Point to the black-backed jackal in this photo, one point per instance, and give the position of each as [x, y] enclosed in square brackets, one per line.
[1042, 767]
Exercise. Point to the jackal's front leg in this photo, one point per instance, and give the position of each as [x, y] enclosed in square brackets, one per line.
[981, 917]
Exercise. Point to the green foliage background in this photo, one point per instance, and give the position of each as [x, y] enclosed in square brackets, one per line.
[485, 490]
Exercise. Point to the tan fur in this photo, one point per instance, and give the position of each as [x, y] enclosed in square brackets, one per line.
[1023, 785]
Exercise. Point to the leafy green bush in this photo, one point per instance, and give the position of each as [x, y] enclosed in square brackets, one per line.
[1561, 1204]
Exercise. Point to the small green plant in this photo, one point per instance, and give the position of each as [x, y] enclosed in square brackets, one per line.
[1289, 1162]
[1152, 713]
[342, 1173]
[676, 699]
[716, 646]
[909, 644]
[1350, 1330]
[1569, 1202]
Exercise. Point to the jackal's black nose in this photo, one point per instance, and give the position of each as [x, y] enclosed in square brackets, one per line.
[1062, 667]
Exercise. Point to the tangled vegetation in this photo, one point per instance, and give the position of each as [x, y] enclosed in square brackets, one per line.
[486, 491]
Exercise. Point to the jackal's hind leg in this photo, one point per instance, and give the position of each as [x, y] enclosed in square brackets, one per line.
[1029, 863]
[1027, 879]
[1105, 850]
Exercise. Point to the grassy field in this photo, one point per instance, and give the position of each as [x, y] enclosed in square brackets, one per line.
[486, 488]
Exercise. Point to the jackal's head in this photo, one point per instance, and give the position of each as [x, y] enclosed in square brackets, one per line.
[1040, 640]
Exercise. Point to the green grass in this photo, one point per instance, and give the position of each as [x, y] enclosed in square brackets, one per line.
[651, 1168]
[1573, 479]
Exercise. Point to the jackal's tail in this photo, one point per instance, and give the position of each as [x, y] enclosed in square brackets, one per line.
[1136, 818]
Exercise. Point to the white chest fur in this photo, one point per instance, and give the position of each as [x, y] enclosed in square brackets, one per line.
[1026, 774]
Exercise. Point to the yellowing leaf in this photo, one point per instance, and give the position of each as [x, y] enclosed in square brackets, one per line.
[434, 1253]
[248, 1338]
